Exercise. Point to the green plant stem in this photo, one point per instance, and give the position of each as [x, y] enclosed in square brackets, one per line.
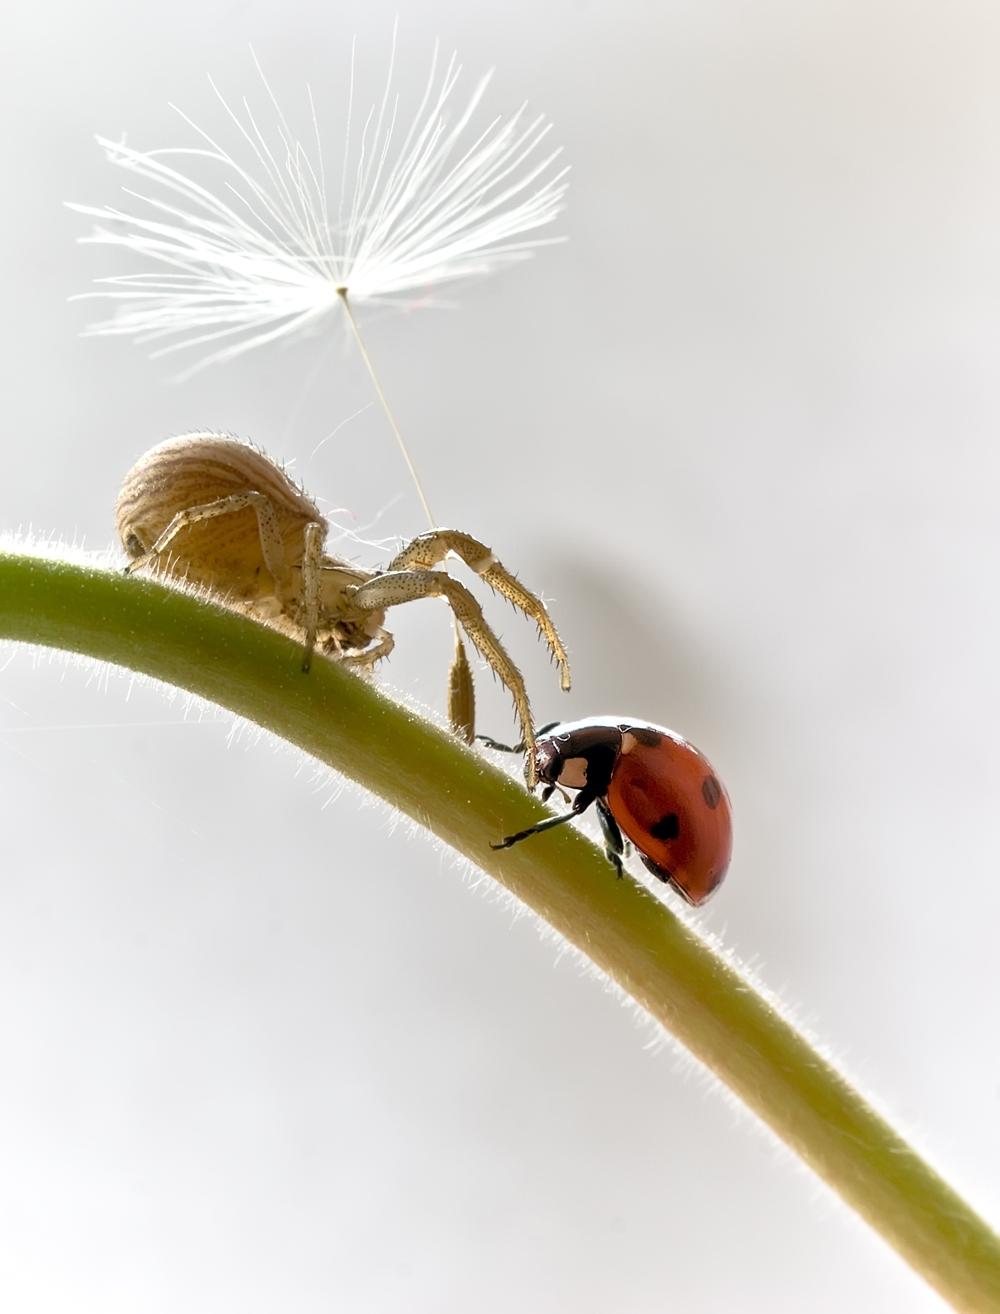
[650, 953]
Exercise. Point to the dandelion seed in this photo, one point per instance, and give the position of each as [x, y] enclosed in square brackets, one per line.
[269, 257]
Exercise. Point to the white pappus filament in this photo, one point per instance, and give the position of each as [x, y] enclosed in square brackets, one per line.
[266, 256]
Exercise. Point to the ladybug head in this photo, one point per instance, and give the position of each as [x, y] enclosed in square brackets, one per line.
[548, 761]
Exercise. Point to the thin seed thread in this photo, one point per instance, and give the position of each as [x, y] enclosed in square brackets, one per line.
[342, 293]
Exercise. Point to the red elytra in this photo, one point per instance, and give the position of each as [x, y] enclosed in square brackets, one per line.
[648, 783]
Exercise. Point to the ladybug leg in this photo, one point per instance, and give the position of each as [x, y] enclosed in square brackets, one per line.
[547, 824]
[501, 748]
[581, 803]
[614, 845]
[516, 748]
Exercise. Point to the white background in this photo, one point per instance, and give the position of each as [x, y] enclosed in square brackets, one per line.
[260, 1054]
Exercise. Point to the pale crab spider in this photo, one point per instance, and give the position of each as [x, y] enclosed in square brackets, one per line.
[216, 512]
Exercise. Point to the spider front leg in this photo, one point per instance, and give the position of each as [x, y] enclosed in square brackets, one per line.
[430, 549]
[400, 586]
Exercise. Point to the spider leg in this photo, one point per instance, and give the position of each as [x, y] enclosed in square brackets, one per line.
[366, 660]
[312, 558]
[400, 586]
[430, 549]
[272, 545]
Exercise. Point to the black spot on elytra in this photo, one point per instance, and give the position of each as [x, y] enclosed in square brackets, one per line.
[711, 791]
[642, 735]
[667, 828]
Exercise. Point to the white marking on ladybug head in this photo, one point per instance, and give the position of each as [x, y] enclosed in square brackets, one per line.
[574, 773]
[629, 742]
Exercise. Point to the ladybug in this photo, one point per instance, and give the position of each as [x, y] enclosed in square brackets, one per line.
[648, 783]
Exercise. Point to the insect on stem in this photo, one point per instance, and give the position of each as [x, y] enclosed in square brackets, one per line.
[342, 293]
